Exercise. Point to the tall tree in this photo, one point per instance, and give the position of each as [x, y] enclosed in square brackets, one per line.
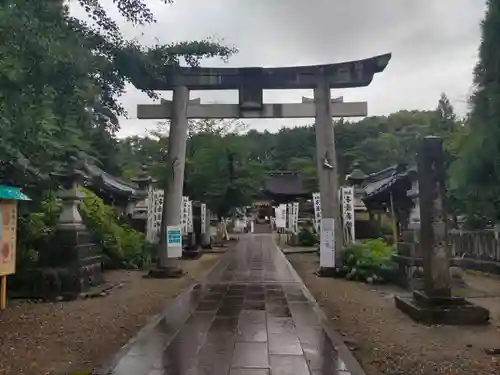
[477, 172]
[446, 114]
[60, 79]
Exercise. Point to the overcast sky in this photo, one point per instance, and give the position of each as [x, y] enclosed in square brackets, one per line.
[433, 43]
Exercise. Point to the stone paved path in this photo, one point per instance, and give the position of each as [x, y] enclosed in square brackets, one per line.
[250, 318]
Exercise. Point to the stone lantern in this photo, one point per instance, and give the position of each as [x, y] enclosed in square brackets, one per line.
[357, 176]
[143, 179]
[356, 179]
[141, 210]
[74, 258]
[71, 181]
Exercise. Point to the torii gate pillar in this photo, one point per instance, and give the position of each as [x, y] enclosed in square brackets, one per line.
[330, 234]
[167, 268]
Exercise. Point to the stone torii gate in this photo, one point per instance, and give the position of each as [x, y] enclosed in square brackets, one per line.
[250, 83]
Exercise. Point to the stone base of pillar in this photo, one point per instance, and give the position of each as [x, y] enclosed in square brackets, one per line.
[166, 273]
[190, 249]
[443, 311]
[192, 254]
[326, 272]
[206, 241]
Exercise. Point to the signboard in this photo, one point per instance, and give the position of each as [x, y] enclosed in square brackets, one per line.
[174, 241]
[203, 220]
[327, 243]
[295, 217]
[348, 214]
[8, 220]
[317, 211]
[280, 213]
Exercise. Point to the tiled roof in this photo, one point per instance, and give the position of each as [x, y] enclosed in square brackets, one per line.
[112, 182]
[385, 179]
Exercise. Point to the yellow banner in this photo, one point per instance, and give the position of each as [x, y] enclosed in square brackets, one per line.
[8, 219]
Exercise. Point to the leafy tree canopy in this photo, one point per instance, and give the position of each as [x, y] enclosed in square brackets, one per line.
[476, 172]
[61, 78]
[222, 160]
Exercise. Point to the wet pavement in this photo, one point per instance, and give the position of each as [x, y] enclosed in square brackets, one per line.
[250, 317]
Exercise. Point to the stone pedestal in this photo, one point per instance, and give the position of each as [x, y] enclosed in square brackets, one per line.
[190, 247]
[192, 243]
[435, 304]
[206, 241]
[442, 310]
[74, 265]
[409, 261]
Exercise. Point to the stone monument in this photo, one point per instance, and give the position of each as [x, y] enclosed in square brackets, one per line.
[435, 304]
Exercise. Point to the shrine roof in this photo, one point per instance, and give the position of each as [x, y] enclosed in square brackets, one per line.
[386, 179]
[284, 183]
[111, 182]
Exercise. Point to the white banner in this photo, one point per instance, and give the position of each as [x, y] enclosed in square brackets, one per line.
[317, 211]
[289, 217]
[184, 214]
[174, 241]
[280, 213]
[203, 219]
[327, 243]
[190, 217]
[295, 217]
[348, 214]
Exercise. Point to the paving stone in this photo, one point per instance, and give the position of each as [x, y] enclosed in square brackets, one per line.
[252, 318]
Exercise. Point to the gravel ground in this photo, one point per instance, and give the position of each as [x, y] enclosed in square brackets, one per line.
[386, 341]
[59, 338]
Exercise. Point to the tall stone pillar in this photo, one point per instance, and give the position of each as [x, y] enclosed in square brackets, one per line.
[168, 267]
[206, 242]
[436, 305]
[434, 229]
[327, 170]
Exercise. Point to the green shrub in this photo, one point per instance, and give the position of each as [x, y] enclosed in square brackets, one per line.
[368, 261]
[123, 246]
[307, 238]
[35, 230]
[386, 228]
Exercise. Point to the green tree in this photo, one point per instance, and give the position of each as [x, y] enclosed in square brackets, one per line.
[60, 79]
[476, 173]
[306, 166]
